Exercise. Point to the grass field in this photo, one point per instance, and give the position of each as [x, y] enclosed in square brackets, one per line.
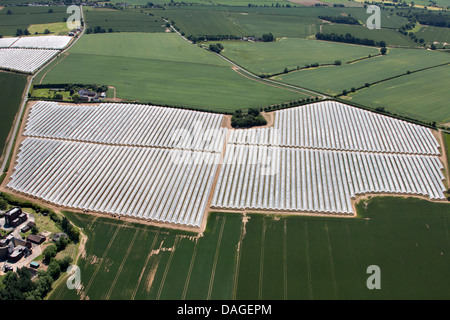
[396, 61]
[434, 34]
[58, 28]
[390, 36]
[123, 21]
[162, 69]
[272, 57]
[11, 90]
[23, 17]
[423, 95]
[272, 257]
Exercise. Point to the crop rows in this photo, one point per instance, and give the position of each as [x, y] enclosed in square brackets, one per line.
[25, 60]
[148, 183]
[335, 126]
[127, 124]
[306, 180]
[7, 42]
[42, 42]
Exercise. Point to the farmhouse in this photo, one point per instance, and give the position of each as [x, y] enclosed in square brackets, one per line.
[36, 238]
[88, 95]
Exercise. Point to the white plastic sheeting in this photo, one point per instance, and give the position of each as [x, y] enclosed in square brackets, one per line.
[25, 60]
[332, 125]
[149, 183]
[42, 42]
[127, 124]
[308, 180]
[7, 42]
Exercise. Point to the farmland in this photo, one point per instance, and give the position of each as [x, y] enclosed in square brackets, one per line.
[277, 257]
[122, 21]
[272, 57]
[11, 90]
[392, 37]
[411, 95]
[23, 17]
[157, 66]
[395, 62]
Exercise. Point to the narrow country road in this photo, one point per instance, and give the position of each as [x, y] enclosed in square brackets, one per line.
[255, 77]
[8, 149]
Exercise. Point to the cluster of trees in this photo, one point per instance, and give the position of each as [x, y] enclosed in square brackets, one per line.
[290, 104]
[433, 19]
[98, 29]
[348, 38]
[21, 32]
[213, 37]
[341, 19]
[216, 47]
[20, 286]
[268, 37]
[251, 118]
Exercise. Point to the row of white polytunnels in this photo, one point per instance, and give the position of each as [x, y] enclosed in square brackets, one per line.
[36, 42]
[336, 126]
[295, 179]
[25, 60]
[127, 124]
[148, 183]
[161, 164]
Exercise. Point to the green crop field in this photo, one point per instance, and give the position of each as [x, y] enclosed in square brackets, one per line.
[432, 34]
[11, 90]
[204, 22]
[272, 57]
[123, 21]
[271, 257]
[299, 22]
[390, 36]
[335, 79]
[162, 69]
[23, 17]
[422, 95]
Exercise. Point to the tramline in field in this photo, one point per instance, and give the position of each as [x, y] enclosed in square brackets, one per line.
[159, 164]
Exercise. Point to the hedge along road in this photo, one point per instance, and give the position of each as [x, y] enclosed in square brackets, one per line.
[25, 97]
[256, 78]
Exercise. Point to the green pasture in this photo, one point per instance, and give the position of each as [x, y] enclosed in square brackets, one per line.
[12, 86]
[271, 257]
[392, 37]
[432, 34]
[162, 69]
[122, 20]
[272, 57]
[334, 79]
[23, 17]
[422, 95]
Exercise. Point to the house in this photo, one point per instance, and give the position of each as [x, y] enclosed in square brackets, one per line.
[34, 264]
[15, 217]
[36, 238]
[88, 95]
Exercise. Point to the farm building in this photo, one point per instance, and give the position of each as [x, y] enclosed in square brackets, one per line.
[15, 217]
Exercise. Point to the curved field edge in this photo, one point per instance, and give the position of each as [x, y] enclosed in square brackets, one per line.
[162, 69]
[268, 256]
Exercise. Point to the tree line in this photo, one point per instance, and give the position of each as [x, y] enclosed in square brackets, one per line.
[341, 19]
[348, 38]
